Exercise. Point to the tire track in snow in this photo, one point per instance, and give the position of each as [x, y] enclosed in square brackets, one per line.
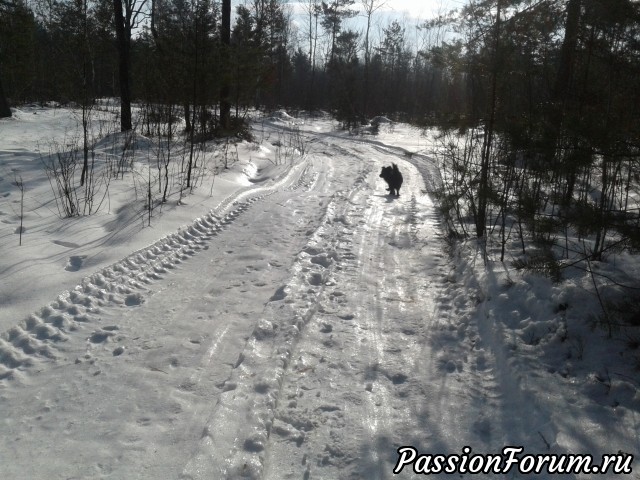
[434, 369]
[463, 351]
[234, 446]
[154, 400]
[350, 394]
[311, 430]
[41, 336]
[389, 360]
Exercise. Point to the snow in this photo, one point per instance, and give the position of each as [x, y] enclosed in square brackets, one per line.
[286, 319]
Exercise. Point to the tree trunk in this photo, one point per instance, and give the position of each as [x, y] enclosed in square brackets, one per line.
[568, 51]
[187, 117]
[367, 59]
[123, 37]
[484, 187]
[225, 31]
[5, 111]
[563, 78]
[312, 99]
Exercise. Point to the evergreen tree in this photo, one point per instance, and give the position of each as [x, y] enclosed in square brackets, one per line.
[17, 53]
[333, 14]
[344, 77]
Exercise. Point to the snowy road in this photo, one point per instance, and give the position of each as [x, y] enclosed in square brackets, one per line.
[307, 328]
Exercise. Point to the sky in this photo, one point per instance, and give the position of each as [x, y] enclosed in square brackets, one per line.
[422, 9]
[419, 8]
[412, 8]
[411, 13]
[408, 12]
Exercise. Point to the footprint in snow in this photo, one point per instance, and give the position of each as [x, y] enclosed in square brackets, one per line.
[279, 295]
[75, 263]
[326, 328]
[65, 244]
[100, 336]
[398, 378]
[315, 279]
[322, 260]
[133, 299]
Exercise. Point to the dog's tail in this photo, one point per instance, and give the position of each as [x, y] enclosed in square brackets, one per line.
[395, 167]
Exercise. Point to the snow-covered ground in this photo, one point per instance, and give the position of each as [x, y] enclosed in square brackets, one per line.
[285, 320]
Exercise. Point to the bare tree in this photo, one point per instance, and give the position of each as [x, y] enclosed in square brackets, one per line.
[18, 182]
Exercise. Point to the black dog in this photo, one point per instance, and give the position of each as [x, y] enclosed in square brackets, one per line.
[393, 177]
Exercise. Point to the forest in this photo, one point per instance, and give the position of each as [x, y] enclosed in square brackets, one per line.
[537, 101]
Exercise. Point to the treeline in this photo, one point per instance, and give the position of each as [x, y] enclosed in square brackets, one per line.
[538, 99]
[180, 52]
